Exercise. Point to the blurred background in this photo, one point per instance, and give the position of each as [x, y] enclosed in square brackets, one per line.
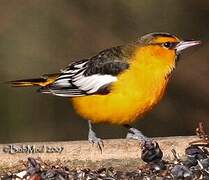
[39, 37]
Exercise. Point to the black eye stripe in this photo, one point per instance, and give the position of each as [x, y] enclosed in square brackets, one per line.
[168, 45]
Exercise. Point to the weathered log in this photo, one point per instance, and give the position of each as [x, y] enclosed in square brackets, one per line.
[118, 153]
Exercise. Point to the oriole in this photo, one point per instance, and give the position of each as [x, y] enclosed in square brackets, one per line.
[119, 84]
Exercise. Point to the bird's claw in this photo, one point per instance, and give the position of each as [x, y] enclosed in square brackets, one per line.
[136, 134]
[131, 136]
[95, 140]
[99, 143]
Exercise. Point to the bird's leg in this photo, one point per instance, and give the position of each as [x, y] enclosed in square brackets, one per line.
[93, 139]
[135, 134]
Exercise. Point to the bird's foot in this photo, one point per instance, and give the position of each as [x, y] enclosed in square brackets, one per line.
[136, 134]
[95, 140]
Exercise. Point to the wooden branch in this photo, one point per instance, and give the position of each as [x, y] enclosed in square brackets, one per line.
[118, 153]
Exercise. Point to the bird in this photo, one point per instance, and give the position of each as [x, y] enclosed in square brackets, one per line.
[119, 85]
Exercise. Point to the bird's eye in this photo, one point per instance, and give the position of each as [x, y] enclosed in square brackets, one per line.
[168, 44]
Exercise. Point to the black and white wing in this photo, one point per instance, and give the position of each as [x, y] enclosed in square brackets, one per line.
[89, 76]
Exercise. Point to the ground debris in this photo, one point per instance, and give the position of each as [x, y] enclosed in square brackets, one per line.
[194, 166]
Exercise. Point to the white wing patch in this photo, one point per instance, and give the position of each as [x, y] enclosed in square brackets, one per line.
[73, 77]
[91, 84]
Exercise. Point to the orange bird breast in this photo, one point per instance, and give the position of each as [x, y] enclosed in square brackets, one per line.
[137, 90]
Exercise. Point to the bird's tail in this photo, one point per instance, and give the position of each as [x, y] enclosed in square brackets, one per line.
[28, 82]
[43, 81]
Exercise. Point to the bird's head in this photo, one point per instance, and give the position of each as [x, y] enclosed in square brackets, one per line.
[166, 42]
[160, 50]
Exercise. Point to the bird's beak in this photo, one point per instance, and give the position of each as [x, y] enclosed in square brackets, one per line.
[185, 44]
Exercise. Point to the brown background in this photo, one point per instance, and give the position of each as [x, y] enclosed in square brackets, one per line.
[38, 37]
